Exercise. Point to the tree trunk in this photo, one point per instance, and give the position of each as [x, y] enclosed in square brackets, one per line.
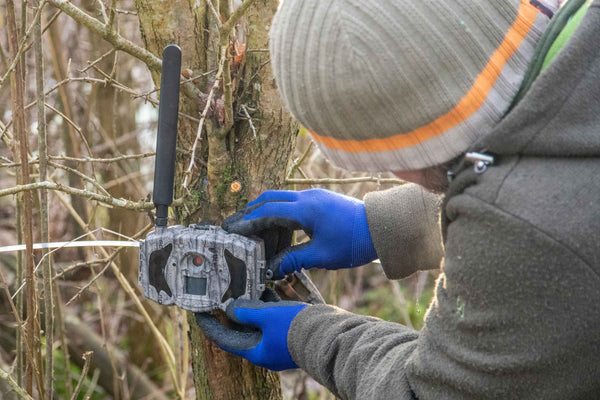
[234, 164]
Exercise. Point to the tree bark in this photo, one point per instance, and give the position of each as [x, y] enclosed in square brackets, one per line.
[234, 164]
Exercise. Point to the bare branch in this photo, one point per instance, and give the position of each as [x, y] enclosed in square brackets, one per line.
[182, 82]
[5, 135]
[107, 81]
[215, 13]
[88, 356]
[10, 164]
[247, 115]
[74, 125]
[111, 201]
[235, 17]
[96, 61]
[17, 102]
[190, 167]
[9, 297]
[103, 160]
[5, 376]
[344, 181]
[91, 281]
[75, 266]
[83, 176]
[21, 47]
[102, 11]
[47, 271]
[297, 163]
[125, 12]
[108, 34]
[112, 13]
[51, 21]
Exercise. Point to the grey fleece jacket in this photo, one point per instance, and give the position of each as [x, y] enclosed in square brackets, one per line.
[516, 312]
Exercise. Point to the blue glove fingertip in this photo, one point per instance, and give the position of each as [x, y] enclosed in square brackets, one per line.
[274, 195]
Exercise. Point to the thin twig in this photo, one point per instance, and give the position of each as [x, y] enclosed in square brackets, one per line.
[97, 60]
[83, 176]
[103, 160]
[120, 43]
[247, 115]
[215, 13]
[227, 90]
[88, 356]
[299, 161]
[48, 25]
[235, 17]
[188, 171]
[21, 46]
[14, 308]
[107, 32]
[5, 376]
[70, 268]
[193, 78]
[74, 125]
[93, 384]
[51, 21]
[3, 57]
[117, 85]
[112, 13]
[10, 164]
[43, 168]
[126, 12]
[96, 276]
[17, 101]
[102, 11]
[344, 181]
[9, 297]
[5, 135]
[111, 201]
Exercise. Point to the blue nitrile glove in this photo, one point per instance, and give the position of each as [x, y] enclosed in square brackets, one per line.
[336, 224]
[265, 343]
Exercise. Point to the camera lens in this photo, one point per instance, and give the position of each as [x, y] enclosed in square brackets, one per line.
[197, 260]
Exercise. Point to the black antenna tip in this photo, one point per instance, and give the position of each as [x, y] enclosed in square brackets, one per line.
[168, 110]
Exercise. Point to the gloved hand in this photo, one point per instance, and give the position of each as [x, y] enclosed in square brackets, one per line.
[336, 224]
[262, 338]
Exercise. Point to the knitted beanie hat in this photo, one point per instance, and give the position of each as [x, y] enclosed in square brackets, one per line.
[393, 85]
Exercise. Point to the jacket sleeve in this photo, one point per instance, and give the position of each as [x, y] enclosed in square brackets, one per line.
[404, 225]
[354, 356]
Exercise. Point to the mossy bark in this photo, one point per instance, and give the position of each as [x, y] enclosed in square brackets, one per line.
[233, 166]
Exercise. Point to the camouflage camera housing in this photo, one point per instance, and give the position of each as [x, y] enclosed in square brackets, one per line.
[200, 268]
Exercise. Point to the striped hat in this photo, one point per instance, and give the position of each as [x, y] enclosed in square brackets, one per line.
[393, 85]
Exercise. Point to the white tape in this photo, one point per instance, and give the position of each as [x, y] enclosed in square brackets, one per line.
[58, 245]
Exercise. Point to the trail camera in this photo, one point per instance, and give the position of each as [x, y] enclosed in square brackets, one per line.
[198, 268]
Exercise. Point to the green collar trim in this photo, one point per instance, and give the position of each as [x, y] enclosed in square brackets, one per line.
[555, 27]
[565, 34]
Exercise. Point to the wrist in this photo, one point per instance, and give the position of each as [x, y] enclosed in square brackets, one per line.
[363, 250]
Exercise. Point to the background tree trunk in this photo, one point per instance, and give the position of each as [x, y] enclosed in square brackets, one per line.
[234, 165]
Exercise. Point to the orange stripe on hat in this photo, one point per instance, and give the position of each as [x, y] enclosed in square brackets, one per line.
[468, 105]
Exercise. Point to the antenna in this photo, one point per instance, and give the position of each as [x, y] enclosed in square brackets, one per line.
[168, 109]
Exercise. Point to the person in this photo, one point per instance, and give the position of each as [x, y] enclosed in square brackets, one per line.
[503, 97]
